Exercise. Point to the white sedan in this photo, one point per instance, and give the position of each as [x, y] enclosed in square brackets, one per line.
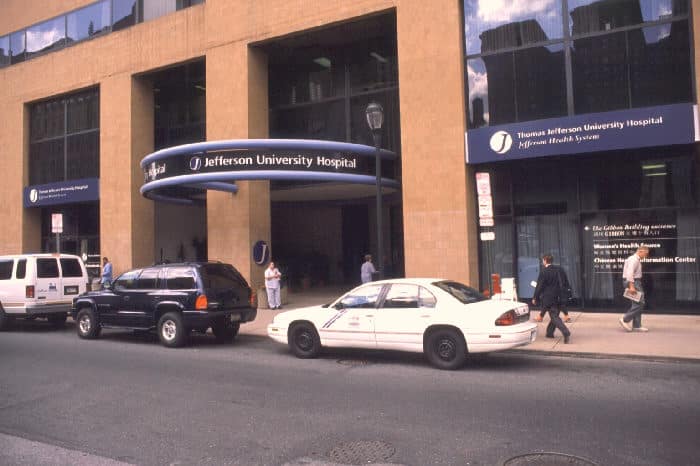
[444, 319]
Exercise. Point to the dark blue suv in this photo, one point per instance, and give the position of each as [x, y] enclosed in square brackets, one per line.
[173, 299]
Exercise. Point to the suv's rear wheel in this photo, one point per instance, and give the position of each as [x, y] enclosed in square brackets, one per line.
[57, 320]
[224, 330]
[87, 324]
[171, 330]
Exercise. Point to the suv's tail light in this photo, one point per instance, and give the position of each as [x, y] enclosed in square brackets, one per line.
[201, 303]
[253, 298]
[507, 318]
[29, 291]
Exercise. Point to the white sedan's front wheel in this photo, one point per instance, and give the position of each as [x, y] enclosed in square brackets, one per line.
[303, 340]
[445, 349]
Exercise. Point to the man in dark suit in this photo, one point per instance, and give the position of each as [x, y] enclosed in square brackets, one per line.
[548, 293]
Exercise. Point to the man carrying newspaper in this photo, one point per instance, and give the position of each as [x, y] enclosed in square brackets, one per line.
[632, 281]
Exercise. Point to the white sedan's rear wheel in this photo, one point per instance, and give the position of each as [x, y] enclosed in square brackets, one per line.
[446, 349]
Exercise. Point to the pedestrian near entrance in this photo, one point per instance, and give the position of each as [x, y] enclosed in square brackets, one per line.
[367, 269]
[272, 286]
[632, 282]
[548, 293]
[106, 279]
[564, 295]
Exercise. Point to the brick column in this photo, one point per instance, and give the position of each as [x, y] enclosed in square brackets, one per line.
[126, 136]
[237, 109]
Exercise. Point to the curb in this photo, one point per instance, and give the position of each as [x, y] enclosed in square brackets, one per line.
[585, 355]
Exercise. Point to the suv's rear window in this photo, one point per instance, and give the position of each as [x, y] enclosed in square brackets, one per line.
[221, 276]
[463, 293]
[46, 268]
[180, 278]
[6, 269]
[21, 268]
[71, 268]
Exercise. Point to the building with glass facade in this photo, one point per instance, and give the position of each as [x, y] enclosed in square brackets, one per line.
[567, 127]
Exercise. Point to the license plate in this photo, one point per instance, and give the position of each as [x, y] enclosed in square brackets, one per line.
[235, 317]
[70, 290]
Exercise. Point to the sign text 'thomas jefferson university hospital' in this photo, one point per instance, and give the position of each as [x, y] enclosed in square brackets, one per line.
[593, 132]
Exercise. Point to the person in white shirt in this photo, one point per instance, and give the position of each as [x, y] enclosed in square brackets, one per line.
[632, 280]
[367, 269]
[272, 286]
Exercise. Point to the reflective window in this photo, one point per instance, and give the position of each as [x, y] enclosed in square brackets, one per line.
[463, 293]
[497, 24]
[402, 296]
[46, 162]
[6, 269]
[156, 8]
[587, 16]
[4, 51]
[47, 120]
[123, 14]
[46, 268]
[17, 46]
[599, 69]
[365, 297]
[21, 268]
[46, 36]
[83, 111]
[660, 67]
[87, 22]
[309, 77]
[374, 67]
[71, 267]
[320, 121]
[148, 280]
[181, 278]
[83, 156]
[127, 280]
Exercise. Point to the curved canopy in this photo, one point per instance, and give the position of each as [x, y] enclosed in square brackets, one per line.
[218, 164]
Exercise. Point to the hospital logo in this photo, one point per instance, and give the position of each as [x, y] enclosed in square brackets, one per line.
[33, 196]
[195, 163]
[500, 142]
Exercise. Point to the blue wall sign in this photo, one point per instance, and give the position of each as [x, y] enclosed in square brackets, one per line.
[593, 132]
[261, 253]
[64, 192]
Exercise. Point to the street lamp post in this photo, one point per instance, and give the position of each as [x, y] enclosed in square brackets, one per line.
[375, 118]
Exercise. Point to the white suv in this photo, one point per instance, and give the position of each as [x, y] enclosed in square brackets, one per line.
[40, 285]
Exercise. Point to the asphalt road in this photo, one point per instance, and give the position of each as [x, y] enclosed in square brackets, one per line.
[126, 399]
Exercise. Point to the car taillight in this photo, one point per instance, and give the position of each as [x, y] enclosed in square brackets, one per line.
[29, 291]
[201, 303]
[507, 318]
[253, 299]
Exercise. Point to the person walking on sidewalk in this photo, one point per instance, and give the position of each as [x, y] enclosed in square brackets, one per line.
[272, 286]
[632, 281]
[106, 279]
[565, 294]
[548, 292]
[367, 269]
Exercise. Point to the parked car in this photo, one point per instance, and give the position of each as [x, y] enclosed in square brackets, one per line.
[443, 319]
[40, 285]
[173, 299]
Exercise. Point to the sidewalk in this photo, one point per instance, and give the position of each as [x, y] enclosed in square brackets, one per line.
[592, 334]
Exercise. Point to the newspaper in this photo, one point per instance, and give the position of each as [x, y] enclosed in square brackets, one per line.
[635, 296]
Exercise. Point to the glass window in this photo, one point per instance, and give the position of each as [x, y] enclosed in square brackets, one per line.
[156, 8]
[478, 79]
[320, 121]
[127, 280]
[220, 276]
[87, 22]
[83, 111]
[402, 296]
[47, 268]
[17, 46]
[310, 78]
[21, 268]
[83, 156]
[4, 51]
[660, 67]
[46, 162]
[596, 15]
[497, 256]
[181, 278]
[6, 269]
[599, 68]
[123, 14]
[373, 67]
[364, 297]
[148, 280]
[497, 24]
[463, 293]
[540, 83]
[71, 267]
[46, 36]
[47, 120]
